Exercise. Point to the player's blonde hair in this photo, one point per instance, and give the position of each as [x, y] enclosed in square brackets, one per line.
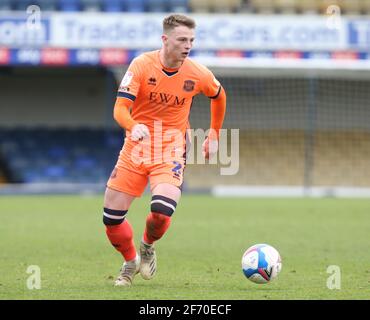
[174, 20]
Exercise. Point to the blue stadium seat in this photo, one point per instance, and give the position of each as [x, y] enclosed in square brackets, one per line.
[31, 175]
[113, 5]
[57, 152]
[91, 5]
[157, 5]
[6, 5]
[55, 171]
[135, 5]
[178, 6]
[81, 155]
[85, 162]
[21, 5]
[70, 5]
[47, 5]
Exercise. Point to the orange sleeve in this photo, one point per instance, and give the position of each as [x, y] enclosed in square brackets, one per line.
[210, 86]
[122, 114]
[130, 84]
[218, 109]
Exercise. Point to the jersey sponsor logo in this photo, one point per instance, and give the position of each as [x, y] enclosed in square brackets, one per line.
[127, 79]
[166, 98]
[188, 85]
[152, 81]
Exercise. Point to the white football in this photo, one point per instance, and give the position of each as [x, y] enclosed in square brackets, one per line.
[261, 263]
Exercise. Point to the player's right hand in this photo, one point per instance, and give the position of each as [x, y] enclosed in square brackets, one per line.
[139, 131]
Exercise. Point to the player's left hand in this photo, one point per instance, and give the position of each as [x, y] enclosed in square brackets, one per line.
[209, 148]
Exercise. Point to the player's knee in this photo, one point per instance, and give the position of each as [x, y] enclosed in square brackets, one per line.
[112, 217]
[163, 205]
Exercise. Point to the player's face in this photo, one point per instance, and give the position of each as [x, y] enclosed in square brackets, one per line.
[178, 43]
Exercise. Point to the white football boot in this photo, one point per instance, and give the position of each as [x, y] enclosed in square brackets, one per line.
[148, 264]
[128, 271]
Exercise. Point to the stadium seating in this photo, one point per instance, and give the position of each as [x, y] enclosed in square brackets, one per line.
[351, 6]
[156, 5]
[113, 5]
[70, 5]
[178, 6]
[261, 6]
[60, 155]
[91, 5]
[226, 6]
[309, 6]
[47, 5]
[286, 6]
[347, 7]
[22, 4]
[135, 5]
[365, 6]
[6, 5]
[271, 157]
[322, 5]
[200, 5]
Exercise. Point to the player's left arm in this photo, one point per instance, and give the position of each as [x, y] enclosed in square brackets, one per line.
[218, 110]
[127, 93]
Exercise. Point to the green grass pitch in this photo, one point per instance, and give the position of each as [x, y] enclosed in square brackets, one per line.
[198, 258]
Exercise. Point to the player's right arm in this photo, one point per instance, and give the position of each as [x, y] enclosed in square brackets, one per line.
[127, 92]
[123, 117]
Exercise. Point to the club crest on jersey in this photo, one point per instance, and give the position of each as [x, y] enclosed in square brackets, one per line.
[188, 85]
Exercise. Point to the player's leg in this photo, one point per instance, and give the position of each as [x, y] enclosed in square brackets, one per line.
[120, 233]
[122, 188]
[166, 181]
[118, 229]
[163, 204]
[165, 197]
